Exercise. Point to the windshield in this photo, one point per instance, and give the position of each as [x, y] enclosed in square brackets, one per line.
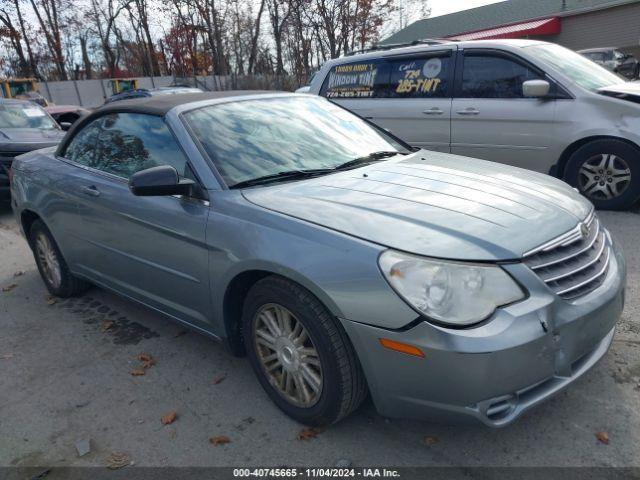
[254, 138]
[581, 70]
[24, 115]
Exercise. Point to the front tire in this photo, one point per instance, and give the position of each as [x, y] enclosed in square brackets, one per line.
[52, 265]
[300, 354]
[607, 172]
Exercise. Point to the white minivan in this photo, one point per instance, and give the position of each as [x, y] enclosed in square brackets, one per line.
[526, 103]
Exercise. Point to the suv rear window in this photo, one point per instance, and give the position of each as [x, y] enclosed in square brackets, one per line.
[424, 76]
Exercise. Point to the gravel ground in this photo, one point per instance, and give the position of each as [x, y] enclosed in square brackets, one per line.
[65, 376]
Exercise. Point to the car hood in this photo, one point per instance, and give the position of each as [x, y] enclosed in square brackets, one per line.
[30, 135]
[624, 91]
[436, 205]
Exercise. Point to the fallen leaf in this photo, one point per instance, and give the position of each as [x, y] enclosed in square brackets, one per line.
[308, 433]
[219, 440]
[603, 437]
[169, 418]
[6, 356]
[431, 440]
[51, 300]
[219, 379]
[138, 372]
[107, 325]
[19, 273]
[118, 460]
[8, 288]
[148, 364]
[147, 360]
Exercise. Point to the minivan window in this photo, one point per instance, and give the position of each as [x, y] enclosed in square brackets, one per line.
[579, 69]
[492, 76]
[130, 142]
[424, 77]
[365, 79]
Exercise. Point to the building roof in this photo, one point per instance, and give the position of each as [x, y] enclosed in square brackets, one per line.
[502, 13]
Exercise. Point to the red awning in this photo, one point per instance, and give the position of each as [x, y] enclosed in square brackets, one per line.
[546, 26]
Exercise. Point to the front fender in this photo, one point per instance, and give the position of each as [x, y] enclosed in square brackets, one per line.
[340, 270]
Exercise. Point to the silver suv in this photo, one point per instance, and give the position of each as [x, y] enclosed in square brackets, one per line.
[526, 103]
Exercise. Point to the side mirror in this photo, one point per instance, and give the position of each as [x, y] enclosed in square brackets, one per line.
[160, 181]
[536, 88]
[65, 125]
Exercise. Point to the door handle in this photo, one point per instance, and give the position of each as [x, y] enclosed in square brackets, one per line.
[92, 191]
[433, 111]
[468, 111]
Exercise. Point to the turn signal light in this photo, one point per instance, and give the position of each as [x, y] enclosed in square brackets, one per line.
[401, 347]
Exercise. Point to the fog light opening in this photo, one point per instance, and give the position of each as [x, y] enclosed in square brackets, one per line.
[502, 408]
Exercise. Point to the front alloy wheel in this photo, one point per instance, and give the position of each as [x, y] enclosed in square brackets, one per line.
[288, 356]
[607, 172]
[604, 176]
[300, 353]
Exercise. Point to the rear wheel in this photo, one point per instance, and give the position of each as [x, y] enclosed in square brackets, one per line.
[301, 356]
[51, 264]
[607, 172]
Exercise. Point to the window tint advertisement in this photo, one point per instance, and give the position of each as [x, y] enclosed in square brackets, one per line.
[419, 77]
[356, 80]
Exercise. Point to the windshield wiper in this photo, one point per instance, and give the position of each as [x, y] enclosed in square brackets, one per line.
[300, 174]
[372, 157]
[281, 176]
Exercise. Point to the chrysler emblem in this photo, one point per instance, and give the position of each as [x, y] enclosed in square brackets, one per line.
[584, 230]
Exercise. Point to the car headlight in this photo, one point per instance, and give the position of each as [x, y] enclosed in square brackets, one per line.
[448, 292]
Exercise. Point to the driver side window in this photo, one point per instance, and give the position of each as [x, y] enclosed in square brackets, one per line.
[493, 76]
[130, 142]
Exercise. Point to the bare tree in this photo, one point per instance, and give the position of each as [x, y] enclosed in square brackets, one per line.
[50, 17]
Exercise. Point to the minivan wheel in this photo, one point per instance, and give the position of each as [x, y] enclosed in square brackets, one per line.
[607, 172]
[51, 264]
[300, 354]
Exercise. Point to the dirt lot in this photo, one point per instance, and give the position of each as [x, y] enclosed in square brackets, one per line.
[65, 376]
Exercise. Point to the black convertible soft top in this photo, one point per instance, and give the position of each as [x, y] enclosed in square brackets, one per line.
[161, 104]
[158, 105]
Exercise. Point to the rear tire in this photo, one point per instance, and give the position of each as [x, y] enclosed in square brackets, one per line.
[323, 363]
[52, 265]
[607, 172]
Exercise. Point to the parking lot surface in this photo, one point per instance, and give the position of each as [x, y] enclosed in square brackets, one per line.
[65, 378]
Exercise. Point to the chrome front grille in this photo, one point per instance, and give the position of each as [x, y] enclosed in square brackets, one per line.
[575, 263]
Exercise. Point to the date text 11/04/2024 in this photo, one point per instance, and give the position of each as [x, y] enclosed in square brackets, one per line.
[316, 472]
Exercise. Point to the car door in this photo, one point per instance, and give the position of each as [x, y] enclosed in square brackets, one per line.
[149, 248]
[491, 118]
[410, 95]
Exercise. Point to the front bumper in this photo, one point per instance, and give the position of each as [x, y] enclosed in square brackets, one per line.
[496, 371]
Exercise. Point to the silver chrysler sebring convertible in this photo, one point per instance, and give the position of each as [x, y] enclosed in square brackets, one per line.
[340, 260]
